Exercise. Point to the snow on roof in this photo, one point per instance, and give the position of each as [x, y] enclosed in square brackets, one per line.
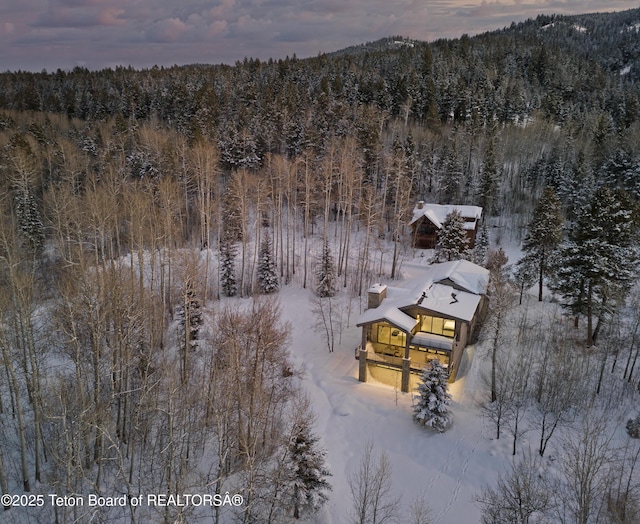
[432, 340]
[467, 275]
[437, 213]
[377, 288]
[433, 292]
[390, 312]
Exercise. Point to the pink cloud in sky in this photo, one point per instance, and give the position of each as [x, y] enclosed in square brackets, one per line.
[142, 33]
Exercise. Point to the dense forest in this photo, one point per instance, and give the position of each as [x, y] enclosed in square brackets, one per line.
[132, 199]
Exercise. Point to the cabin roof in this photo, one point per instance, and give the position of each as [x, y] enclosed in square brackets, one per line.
[437, 213]
[435, 293]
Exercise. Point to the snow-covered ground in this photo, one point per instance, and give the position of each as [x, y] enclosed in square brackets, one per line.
[447, 470]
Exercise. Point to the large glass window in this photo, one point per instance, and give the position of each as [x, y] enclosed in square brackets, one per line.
[391, 335]
[437, 325]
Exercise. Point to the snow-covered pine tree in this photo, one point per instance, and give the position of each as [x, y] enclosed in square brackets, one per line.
[453, 243]
[433, 399]
[267, 270]
[596, 266]
[489, 177]
[544, 235]
[326, 274]
[450, 174]
[308, 482]
[228, 281]
[481, 248]
[29, 220]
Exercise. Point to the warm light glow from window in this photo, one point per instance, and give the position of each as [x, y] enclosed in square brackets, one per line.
[437, 325]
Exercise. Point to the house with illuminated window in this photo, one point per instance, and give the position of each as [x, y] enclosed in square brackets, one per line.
[433, 317]
[427, 222]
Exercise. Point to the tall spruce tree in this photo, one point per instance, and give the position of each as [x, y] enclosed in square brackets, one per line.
[433, 399]
[453, 243]
[489, 178]
[326, 274]
[481, 248]
[544, 235]
[267, 271]
[228, 280]
[308, 482]
[596, 266]
[29, 219]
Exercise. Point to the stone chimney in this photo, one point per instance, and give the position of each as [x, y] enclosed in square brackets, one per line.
[377, 293]
[420, 204]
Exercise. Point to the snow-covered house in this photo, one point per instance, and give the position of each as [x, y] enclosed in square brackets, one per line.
[428, 219]
[433, 317]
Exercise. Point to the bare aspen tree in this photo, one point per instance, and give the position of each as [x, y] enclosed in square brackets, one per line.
[522, 495]
[633, 335]
[400, 186]
[370, 215]
[253, 356]
[519, 393]
[14, 391]
[4, 486]
[501, 297]
[350, 181]
[307, 202]
[325, 311]
[560, 387]
[586, 464]
[276, 169]
[239, 198]
[623, 494]
[204, 159]
[372, 492]
[419, 511]
[20, 314]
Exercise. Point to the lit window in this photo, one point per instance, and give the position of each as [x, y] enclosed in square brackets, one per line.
[438, 326]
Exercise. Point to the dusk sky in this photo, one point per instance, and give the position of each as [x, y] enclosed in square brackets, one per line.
[52, 34]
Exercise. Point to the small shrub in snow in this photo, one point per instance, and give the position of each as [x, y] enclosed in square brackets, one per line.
[433, 399]
[633, 427]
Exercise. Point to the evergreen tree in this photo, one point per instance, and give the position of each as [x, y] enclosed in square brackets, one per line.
[450, 175]
[326, 274]
[308, 482]
[544, 236]
[596, 266]
[29, 220]
[489, 179]
[453, 243]
[481, 248]
[227, 271]
[433, 399]
[267, 271]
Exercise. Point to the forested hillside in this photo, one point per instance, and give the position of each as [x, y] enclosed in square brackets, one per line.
[133, 199]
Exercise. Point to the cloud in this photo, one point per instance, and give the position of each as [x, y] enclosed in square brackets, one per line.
[164, 32]
[167, 30]
[80, 17]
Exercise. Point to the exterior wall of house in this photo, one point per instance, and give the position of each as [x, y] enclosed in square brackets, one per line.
[384, 345]
[425, 234]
